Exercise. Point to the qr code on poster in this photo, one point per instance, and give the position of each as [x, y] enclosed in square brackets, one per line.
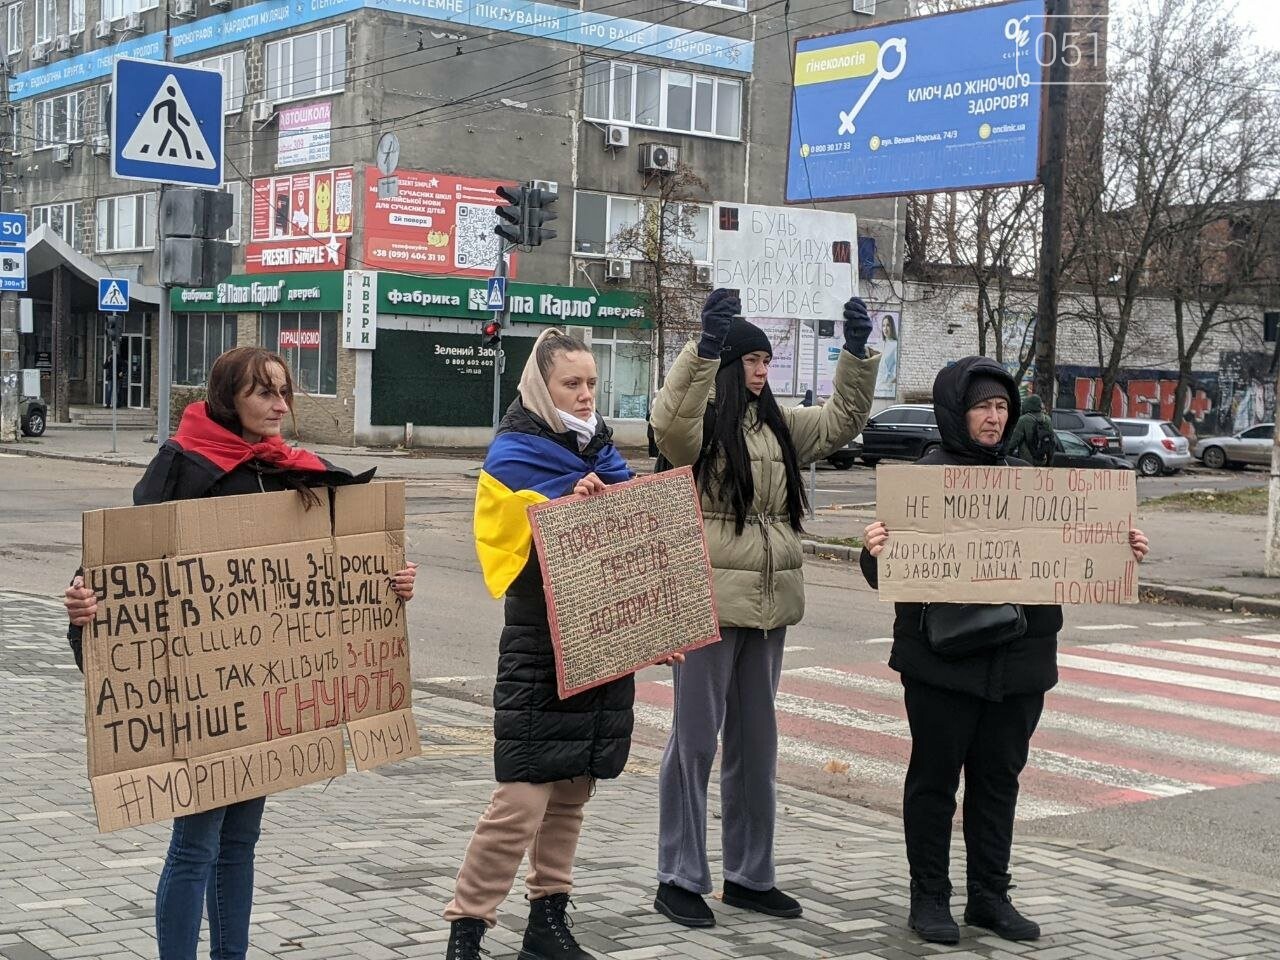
[476, 245]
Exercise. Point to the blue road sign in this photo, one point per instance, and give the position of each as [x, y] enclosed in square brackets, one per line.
[13, 228]
[949, 102]
[496, 297]
[166, 123]
[113, 294]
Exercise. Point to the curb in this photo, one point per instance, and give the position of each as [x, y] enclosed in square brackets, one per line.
[1170, 593]
[121, 460]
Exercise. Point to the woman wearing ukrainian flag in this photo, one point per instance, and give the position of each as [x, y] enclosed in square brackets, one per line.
[548, 753]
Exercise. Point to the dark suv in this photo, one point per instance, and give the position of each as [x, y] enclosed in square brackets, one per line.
[904, 432]
[1092, 426]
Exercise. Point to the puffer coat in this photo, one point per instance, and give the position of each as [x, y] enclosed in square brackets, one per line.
[759, 577]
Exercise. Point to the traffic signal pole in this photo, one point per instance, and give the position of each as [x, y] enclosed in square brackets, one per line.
[500, 317]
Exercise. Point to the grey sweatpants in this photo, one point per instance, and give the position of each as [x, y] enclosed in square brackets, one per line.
[730, 684]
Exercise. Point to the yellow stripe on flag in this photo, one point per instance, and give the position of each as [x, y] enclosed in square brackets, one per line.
[502, 531]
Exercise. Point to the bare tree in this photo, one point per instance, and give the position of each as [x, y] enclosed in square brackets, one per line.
[1187, 124]
[663, 244]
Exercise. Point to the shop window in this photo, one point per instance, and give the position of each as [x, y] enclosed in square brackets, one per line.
[634, 94]
[198, 340]
[624, 367]
[307, 65]
[308, 342]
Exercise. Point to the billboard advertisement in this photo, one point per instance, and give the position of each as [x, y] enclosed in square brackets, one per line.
[301, 221]
[437, 223]
[946, 102]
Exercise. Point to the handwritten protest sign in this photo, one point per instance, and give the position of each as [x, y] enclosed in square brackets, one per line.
[627, 578]
[235, 638]
[1007, 535]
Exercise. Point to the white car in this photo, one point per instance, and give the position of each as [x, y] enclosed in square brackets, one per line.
[1154, 446]
[1247, 446]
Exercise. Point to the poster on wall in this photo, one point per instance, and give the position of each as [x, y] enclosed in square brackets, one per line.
[304, 134]
[301, 221]
[782, 334]
[437, 223]
[884, 340]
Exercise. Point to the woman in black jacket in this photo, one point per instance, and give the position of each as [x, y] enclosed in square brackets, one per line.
[548, 753]
[976, 713]
[229, 444]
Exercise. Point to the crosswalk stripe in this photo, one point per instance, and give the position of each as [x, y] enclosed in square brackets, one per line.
[1199, 681]
[1107, 626]
[1164, 654]
[1249, 650]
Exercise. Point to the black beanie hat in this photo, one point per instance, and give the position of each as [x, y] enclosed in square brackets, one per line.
[743, 337]
[982, 388]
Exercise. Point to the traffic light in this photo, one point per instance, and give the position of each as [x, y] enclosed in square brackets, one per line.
[113, 327]
[492, 333]
[514, 212]
[538, 202]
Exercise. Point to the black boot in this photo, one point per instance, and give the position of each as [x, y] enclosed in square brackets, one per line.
[549, 935]
[990, 907]
[464, 939]
[930, 915]
[772, 902]
[683, 906]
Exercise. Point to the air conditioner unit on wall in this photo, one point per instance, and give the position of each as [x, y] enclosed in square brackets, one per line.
[658, 158]
[220, 4]
[262, 111]
[618, 269]
[101, 144]
[102, 30]
[39, 52]
[702, 274]
[62, 154]
[133, 22]
[616, 136]
[62, 43]
[184, 8]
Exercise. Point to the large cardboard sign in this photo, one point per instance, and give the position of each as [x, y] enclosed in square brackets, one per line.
[235, 639]
[627, 577]
[1007, 535]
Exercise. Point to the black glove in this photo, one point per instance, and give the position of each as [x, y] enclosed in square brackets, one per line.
[720, 308]
[857, 327]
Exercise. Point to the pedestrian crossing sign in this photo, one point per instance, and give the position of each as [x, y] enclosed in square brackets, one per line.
[113, 295]
[495, 297]
[166, 123]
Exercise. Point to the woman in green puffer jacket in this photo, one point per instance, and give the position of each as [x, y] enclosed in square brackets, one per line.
[747, 455]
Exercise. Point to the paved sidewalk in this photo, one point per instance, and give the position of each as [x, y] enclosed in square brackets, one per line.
[361, 867]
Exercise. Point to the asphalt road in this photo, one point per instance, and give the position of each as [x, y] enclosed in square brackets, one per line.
[1163, 739]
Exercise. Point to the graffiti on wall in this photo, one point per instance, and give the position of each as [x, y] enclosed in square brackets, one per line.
[1145, 394]
[1248, 390]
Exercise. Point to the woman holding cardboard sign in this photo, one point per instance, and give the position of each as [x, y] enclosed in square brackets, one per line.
[548, 753]
[716, 412]
[229, 444]
[974, 678]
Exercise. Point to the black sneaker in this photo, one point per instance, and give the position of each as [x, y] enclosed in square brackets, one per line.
[772, 902]
[549, 935]
[464, 939]
[683, 906]
[930, 915]
[994, 910]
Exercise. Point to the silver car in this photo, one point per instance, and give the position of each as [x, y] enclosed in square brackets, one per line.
[1248, 446]
[1153, 446]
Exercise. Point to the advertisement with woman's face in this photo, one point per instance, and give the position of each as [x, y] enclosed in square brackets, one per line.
[884, 340]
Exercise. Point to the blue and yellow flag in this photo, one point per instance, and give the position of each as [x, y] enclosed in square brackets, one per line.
[523, 469]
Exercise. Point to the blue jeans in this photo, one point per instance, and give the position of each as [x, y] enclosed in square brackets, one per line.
[210, 860]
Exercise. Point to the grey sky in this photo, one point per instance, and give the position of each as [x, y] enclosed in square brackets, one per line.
[1262, 17]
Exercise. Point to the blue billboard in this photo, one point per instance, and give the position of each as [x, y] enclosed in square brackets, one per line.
[947, 102]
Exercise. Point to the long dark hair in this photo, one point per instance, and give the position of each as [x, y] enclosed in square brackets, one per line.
[733, 482]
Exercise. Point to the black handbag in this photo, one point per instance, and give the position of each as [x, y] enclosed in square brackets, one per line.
[955, 630]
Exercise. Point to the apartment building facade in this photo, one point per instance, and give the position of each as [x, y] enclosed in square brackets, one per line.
[600, 98]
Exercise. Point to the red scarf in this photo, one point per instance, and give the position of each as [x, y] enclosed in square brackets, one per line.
[198, 434]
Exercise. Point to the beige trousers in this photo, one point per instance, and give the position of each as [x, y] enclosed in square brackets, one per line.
[541, 818]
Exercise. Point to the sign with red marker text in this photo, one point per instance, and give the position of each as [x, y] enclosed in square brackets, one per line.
[627, 577]
[1006, 535]
[236, 639]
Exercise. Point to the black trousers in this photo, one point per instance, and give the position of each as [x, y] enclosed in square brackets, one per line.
[989, 741]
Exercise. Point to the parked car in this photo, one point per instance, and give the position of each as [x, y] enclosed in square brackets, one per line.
[1247, 446]
[1155, 446]
[1092, 426]
[35, 414]
[1071, 451]
[904, 432]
